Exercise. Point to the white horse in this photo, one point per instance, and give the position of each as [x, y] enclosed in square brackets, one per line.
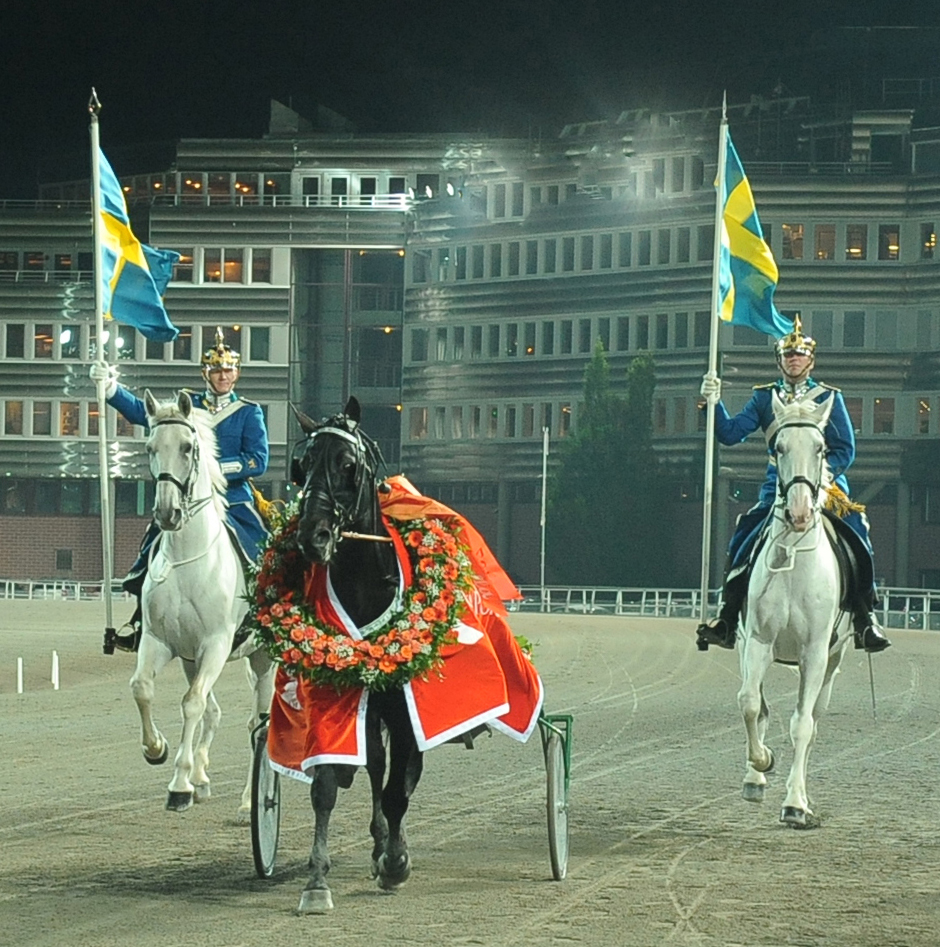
[193, 598]
[793, 604]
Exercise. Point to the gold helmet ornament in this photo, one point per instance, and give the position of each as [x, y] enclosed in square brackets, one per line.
[220, 355]
[795, 341]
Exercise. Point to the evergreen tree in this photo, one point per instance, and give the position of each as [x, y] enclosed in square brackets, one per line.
[603, 523]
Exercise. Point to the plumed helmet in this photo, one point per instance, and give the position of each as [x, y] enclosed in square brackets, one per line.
[795, 341]
[220, 355]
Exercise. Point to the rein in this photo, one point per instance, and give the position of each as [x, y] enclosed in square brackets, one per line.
[190, 506]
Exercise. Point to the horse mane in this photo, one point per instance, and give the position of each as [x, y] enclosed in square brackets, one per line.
[208, 448]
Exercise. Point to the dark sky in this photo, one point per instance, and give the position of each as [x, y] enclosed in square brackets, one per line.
[206, 68]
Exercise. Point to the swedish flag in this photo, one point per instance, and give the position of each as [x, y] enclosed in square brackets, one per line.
[747, 273]
[134, 276]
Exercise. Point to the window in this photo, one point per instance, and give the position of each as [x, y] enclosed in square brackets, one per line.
[518, 197]
[123, 427]
[418, 423]
[928, 241]
[42, 341]
[9, 261]
[535, 196]
[458, 343]
[662, 330]
[705, 246]
[512, 339]
[368, 187]
[63, 559]
[856, 241]
[584, 335]
[70, 342]
[513, 266]
[183, 345]
[792, 241]
[664, 246]
[42, 417]
[509, 429]
[564, 425]
[496, 260]
[682, 330]
[644, 245]
[443, 263]
[461, 263]
[623, 333]
[439, 421]
[853, 330]
[854, 408]
[528, 339]
[547, 416]
[492, 421]
[606, 251]
[476, 341]
[476, 261]
[889, 242]
[126, 342]
[212, 266]
[548, 338]
[678, 174]
[587, 252]
[922, 418]
[473, 427]
[822, 327]
[13, 417]
[259, 341]
[883, 416]
[567, 254]
[528, 420]
[549, 248]
[261, 266]
[456, 422]
[625, 249]
[92, 418]
[396, 185]
[603, 333]
[153, 350]
[679, 406]
[701, 329]
[499, 200]
[183, 267]
[825, 245]
[220, 185]
[924, 330]
[339, 189]
[552, 194]
[419, 345]
[68, 418]
[492, 341]
[16, 340]
[659, 415]
[683, 240]
[643, 332]
[566, 336]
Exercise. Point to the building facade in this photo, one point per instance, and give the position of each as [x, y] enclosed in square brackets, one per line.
[458, 286]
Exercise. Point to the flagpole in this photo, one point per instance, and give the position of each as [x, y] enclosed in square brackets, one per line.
[543, 607]
[107, 534]
[708, 488]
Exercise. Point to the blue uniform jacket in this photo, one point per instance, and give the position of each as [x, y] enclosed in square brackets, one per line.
[759, 413]
[243, 453]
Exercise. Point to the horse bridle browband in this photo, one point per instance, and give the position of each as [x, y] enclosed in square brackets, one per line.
[784, 488]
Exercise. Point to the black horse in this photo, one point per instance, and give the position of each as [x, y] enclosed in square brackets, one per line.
[339, 469]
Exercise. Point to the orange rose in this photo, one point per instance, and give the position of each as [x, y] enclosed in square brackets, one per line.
[376, 651]
[331, 659]
[296, 635]
[414, 537]
[429, 614]
[406, 652]
[386, 665]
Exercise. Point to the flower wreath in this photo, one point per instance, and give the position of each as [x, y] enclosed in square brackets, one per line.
[407, 645]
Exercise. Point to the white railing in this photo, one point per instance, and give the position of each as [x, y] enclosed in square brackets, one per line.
[898, 608]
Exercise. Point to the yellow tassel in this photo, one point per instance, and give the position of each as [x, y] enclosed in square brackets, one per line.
[838, 502]
[268, 509]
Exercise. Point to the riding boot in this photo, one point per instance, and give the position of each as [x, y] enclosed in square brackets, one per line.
[128, 635]
[868, 636]
[722, 630]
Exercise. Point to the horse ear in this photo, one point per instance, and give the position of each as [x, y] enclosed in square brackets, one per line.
[307, 424]
[184, 403]
[150, 403]
[353, 411]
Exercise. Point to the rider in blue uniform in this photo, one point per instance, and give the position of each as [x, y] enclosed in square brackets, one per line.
[243, 453]
[796, 355]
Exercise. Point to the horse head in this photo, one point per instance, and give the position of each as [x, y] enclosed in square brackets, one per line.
[337, 468]
[799, 450]
[173, 448]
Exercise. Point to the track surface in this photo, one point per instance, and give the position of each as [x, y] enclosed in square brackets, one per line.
[663, 848]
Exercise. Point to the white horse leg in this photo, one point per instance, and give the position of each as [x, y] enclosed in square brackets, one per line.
[193, 706]
[756, 658]
[802, 733]
[152, 657]
[260, 672]
[201, 743]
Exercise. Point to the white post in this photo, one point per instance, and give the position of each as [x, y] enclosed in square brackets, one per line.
[19, 675]
[543, 606]
[107, 531]
[713, 367]
[55, 670]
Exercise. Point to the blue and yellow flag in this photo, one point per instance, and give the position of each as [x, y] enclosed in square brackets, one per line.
[134, 276]
[747, 273]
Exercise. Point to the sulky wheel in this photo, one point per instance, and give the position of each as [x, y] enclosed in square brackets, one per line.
[557, 804]
[265, 807]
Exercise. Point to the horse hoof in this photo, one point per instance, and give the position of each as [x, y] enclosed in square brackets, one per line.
[315, 901]
[753, 792]
[394, 876]
[790, 815]
[178, 801]
[201, 793]
[161, 758]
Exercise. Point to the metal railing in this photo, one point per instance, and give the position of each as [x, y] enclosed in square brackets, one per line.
[899, 608]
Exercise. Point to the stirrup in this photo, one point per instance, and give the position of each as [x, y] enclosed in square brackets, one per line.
[127, 637]
[870, 639]
[719, 633]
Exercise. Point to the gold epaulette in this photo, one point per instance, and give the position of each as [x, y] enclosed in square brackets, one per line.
[772, 384]
[267, 509]
[838, 502]
[820, 384]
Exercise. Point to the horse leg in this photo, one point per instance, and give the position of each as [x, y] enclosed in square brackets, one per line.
[195, 701]
[210, 725]
[316, 897]
[260, 673]
[404, 772]
[813, 671]
[756, 657]
[375, 767]
[152, 656]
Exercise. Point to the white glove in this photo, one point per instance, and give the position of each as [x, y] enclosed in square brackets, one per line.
[103, 372]
[711, 388]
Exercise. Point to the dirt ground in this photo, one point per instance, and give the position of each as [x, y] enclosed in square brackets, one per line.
[663, 848]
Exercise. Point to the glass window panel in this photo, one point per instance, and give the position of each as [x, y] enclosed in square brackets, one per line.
[492, 338]
[512, 339]
[492, 421]
[701, 329]
[419, 345]
[212, 266]
[418, 423]
[531, 257]
[476, 341]
[183, 268]
[190, 184]
[510, 423]
[889, 242]
[499, 200]
[853, 329]
[153, 350]
[528, 420]
[662, 330]
[883, 416]
[854, 408]
[456, 422]
[92, 419]
[513, 266]
[458, 343]
[928, 241]
[529, 338]
[70, 341]
[42, 340]
[496, 260]
[16, 340]
[72, 497]
[220, 184]
[643, 332]
[461, 263]
[476, 262]
[440, 344]
[606, 255]
[42, 417]
[548, 338]
[584, 335]
[825, 245]
[680, 406]
[564, 427]
[644, 248]
[123, 427]
[886, 330]
[587, 252]
[856, 241]
[277, 185]
[475, 421]
[246, 184]
[234, 266]
[183, 345]
[549, 250]
[683, 245]
[567, 333]
[68, 418]
[792, 241]
[664, 241]
[261, 265]
[624, 249]
[623, 333]
[13, 417]
[922, 419]
[126, 342]
[603, 332]
[260, 344]
[682, 330]
[705, 248]
[567, 254]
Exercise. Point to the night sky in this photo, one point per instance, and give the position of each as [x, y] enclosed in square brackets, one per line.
[206, 68]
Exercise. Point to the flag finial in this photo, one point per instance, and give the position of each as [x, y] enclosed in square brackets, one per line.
[94, 105]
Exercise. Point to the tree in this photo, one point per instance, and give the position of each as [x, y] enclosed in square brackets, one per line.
[603, 524]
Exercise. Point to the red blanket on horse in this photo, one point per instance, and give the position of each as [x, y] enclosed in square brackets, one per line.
[485, 678]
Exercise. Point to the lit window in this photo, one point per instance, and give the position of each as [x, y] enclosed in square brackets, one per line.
[825, 246]
[922, 421]
[856, 241]
[792, 241]
[883, 416]
[889, 242]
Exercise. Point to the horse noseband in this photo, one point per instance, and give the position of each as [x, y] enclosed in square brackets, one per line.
[186, 486]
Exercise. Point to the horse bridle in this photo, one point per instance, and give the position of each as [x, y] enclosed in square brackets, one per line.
[185, 487]
[783, 489]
